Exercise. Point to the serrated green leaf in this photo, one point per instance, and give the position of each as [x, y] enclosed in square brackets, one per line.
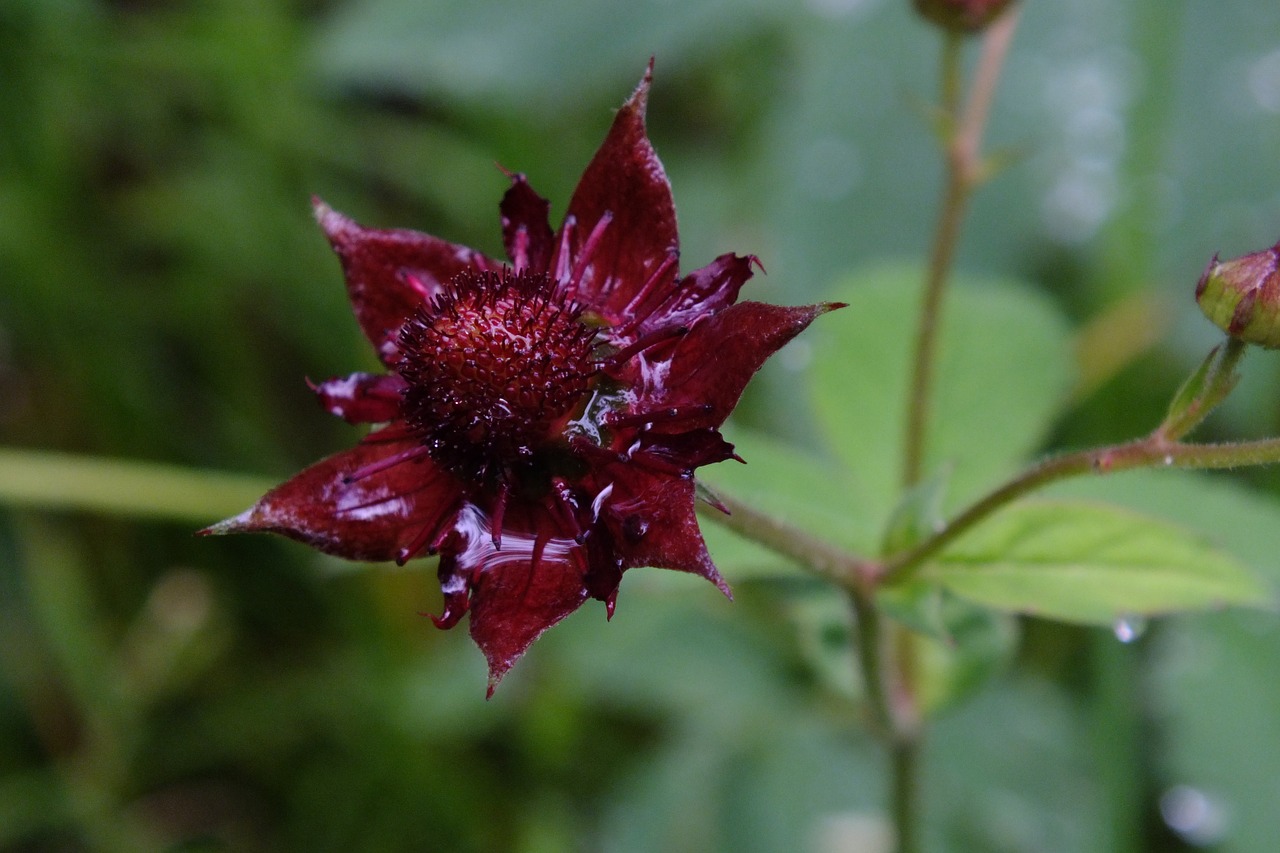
[1004, 364]
[1091, 563]
[1237, 519]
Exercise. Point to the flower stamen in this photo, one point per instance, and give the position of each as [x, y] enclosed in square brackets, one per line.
[491, 374]
[570, 288]
[561, 271]
[499, 511]
[625, 354]
[383, 464]
[565, 505]
[429, 538]
[645, 291]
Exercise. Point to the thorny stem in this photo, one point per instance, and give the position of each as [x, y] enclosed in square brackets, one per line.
[964, 173]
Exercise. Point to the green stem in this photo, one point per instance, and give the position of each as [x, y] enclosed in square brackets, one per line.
[870, 651]
[823, 559]
[905, 798]
[1150, 452]
[964, 173]
[62, 481]
[887, 672]
[955, 197]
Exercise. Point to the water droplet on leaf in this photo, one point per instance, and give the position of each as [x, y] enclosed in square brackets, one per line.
[1197, 817]
[1129, 628]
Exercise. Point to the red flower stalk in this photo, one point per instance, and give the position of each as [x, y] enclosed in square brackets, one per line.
[542, 418]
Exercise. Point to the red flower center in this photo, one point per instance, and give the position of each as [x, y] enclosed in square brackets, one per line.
[495, 367]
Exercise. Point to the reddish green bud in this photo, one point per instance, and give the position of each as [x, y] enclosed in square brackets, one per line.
[961, 16]
[1242, 296]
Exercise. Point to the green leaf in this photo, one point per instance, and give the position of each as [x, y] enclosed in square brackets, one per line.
[1003, 370]
[917, 516]
[1012, 770]
[1091, 563]
[959, 645]
[1239, 520]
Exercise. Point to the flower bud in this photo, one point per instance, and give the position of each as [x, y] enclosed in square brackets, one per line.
[1242, 296]
[961, 16]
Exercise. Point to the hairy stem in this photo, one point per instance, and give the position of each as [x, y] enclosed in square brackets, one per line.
[827, 561]
[951, 215]
[1150, 452]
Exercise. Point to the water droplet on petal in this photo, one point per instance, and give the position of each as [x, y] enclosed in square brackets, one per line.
[1129, 628]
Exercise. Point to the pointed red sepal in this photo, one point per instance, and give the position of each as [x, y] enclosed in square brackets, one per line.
[704, 291]
[518, 592]
[713, 363]
[626, 180]
[526, 228]
[392, 273]
[652, 521]
[368, 518]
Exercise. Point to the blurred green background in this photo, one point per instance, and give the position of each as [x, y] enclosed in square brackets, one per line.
[163, 292]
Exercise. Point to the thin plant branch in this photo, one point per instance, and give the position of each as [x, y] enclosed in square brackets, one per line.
[963, 133]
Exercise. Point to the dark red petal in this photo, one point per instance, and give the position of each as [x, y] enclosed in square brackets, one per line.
[391, 273]
[626, 180]
[704, 291]
[713, 363]
[652, 521]
[684, 450]
[513, 601]
[526, 229]
[369, 518]
[362, 398]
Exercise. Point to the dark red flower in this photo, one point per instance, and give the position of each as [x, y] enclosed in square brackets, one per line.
[963, 16]
[542, 417]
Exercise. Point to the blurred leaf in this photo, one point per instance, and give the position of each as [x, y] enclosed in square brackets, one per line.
[1009, 772]
[119, 487]
[916, 603]
[31, 803]
[1090, 563]
[917, 516]
[977, 645]
[547, 54]
[744, 761]
[1115, 338]
[1003, 369]
[959, 645]
[1219, 709]
[794, 486]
